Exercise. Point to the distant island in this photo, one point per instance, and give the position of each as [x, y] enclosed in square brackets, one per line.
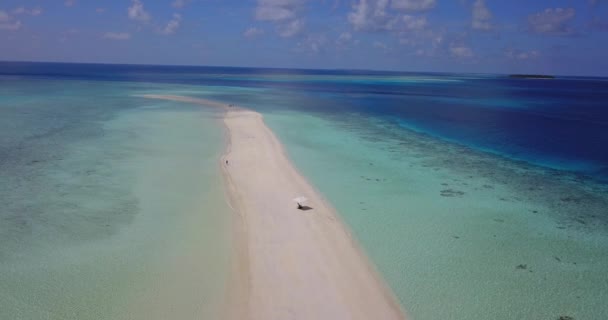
[531, 76]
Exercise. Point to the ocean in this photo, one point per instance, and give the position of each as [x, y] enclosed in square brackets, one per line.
[476, 196]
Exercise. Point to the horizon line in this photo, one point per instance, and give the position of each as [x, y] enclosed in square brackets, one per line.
[294, 68]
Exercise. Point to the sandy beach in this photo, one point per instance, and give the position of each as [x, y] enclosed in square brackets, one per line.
[291, 263]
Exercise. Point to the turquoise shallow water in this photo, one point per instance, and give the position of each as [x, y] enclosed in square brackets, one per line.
[458, 234]
[113, 207]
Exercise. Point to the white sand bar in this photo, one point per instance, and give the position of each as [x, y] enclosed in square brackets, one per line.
[292, 264]
[302, 264]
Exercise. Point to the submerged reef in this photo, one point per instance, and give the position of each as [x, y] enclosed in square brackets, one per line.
[573, 200]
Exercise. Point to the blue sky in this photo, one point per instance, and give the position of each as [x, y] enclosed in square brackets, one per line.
[490, 36]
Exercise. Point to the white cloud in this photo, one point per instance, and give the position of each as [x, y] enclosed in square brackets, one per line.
[36, 11]
[274, 13]
[414, 5]
[460, 50]
[528, 55]
[291, 29]
[380, 45]
[312, 44]
[371, 15]
[482, 17]
[137, 12]
[253, 32]
[521, 55]
[345, 37]
[180, 3]
[172, 25]
[416, 30]
[284, 13]
[427, 42]
[377, 15]
[554, 22]
[68, 34]
[412, 23]
[401, 20]
[277, 10]
[116, 36]
[437, 40]
[7, 22]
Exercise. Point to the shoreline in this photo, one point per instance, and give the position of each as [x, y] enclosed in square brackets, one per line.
[288, 263]
[237, 293]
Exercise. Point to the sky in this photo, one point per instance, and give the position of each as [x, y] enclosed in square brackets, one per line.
[562, 37]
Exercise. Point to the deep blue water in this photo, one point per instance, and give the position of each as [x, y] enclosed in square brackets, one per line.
[560, 123]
